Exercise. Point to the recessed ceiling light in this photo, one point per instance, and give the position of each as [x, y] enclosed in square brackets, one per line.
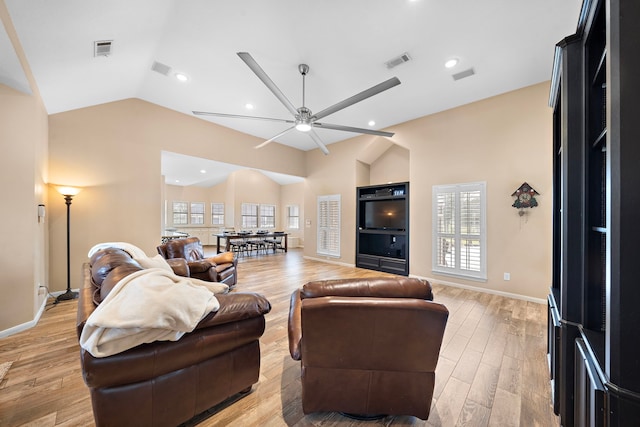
[182, 77]
[177, 180]
[451, 63]
[249, 106]
[203, 171]
[372, 123]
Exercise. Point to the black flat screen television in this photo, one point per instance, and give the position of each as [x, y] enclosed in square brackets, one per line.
[385, 215]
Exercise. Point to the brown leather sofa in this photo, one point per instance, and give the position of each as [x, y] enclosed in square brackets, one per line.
[367, 346]
[166, 383]
[220, 268]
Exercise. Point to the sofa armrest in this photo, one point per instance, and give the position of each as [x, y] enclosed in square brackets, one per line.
[200, 266]
[295, 325]
[235, 307]
[179, 266]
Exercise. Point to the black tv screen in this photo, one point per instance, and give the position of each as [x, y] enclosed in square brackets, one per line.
[385, 215]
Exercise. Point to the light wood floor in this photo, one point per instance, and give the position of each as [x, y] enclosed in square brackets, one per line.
[492, 370]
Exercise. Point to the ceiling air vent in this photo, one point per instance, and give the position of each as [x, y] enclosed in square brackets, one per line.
[398, 60]
[161, 68]
[102, 48]
[463, 74]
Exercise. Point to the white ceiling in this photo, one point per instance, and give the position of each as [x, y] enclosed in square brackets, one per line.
[508, 43]
[182, 170]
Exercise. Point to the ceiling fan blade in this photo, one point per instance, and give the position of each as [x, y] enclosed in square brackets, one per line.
[248, 59]
[237, 116]
[388, 84]
[275, 137]
[352, 129]
[318, 142]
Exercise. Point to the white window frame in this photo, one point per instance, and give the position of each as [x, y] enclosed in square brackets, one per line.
[267, 216]
[293, 217]
[441, 258]
[183, 214]
[217, 214]
[328, 239]
[249, 213]
[196, 213]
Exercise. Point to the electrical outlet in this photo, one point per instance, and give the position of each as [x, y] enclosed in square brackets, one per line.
[507, 276]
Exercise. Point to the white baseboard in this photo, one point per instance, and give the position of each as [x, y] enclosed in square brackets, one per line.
[329, 261]
[28, 325]
[484, 290]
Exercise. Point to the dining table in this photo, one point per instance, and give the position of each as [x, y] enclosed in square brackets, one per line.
[238, 235]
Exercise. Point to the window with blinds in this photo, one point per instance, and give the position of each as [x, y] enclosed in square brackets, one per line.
[329, 225]
[249, 215]
[180, 213]
[459, 230]
[267, 216]
[293, 217]
[217, 214]
[197, 213]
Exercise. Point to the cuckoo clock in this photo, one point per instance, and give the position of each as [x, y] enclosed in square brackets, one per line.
[525, 197]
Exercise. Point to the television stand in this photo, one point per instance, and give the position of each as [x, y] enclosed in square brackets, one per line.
[382, 236]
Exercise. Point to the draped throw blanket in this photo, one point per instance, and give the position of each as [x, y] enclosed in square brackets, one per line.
[148, 305]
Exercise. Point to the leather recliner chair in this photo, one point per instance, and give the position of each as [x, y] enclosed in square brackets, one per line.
[220, 268]
[367, 346]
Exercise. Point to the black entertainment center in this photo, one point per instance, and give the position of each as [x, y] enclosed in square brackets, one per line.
[382, 236]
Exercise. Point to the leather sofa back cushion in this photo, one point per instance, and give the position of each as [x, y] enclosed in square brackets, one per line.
[115, 275]
[103, 261]
[384, 287]
[189, 249]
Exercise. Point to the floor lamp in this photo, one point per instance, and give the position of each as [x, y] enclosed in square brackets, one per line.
[68, 193]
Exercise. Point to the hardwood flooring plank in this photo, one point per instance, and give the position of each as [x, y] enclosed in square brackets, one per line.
[492, 367]
[506, 410]
[485, 383]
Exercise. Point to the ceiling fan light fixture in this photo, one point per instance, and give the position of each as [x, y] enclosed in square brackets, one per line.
[303, 127]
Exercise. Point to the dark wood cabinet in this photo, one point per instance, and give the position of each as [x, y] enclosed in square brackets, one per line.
[382, 235]
[593, 349]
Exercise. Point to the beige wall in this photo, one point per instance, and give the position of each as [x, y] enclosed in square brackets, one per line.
[504, 141]
[23, 174]
[113, 152]
[244, 186]
[392, 166]
[23, 138]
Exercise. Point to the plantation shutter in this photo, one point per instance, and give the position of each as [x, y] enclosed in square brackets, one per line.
[459, 230]
[329, 225]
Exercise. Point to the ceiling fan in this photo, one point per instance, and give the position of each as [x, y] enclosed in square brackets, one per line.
[304, 120]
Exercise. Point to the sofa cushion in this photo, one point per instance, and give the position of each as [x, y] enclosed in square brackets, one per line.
[118, 273]
[223, 258]
[103, 261]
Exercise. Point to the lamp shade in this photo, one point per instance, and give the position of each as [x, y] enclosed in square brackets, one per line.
[68, 191]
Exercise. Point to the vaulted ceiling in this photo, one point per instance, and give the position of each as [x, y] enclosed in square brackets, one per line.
[507, 43]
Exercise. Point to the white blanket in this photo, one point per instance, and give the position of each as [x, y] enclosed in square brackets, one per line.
[148, 305]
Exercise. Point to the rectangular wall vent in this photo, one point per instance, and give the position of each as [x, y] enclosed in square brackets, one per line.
[161, 68]
[463, 74]
[102, 47]
[398, 60]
